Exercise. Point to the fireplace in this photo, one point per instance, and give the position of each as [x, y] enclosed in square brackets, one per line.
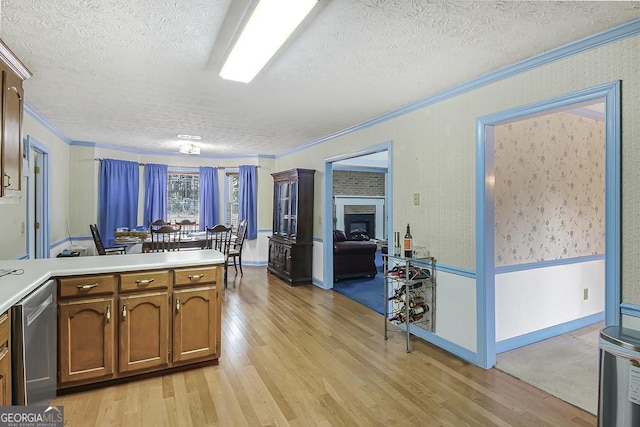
[358, 225]
[377, 230]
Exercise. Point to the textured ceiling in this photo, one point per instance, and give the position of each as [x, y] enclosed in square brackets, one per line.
[138, 73]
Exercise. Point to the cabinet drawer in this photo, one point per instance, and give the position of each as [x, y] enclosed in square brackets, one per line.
[86, 285]
[195, 276]
[144, 280]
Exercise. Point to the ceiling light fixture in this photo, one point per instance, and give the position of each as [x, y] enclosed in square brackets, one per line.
[193, 137]
[270, 25]
[189, 149]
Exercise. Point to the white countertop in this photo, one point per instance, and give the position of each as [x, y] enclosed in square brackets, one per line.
[14, 287]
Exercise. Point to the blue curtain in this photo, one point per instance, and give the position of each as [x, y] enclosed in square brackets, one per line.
[118, 196]
[155, 192]
[208, 197]
[248, 200]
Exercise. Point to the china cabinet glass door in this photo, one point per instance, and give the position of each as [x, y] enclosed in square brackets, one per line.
[294, 210]
[283, 209]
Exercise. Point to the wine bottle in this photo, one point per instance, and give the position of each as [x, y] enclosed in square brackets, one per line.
[416, 301]
[402, 289]
[401, 317]
[413, 311]
[408, 244]
[396, 244]
[418, 310]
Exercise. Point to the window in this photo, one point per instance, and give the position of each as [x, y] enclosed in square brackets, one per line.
[232, 197]
[183, 194]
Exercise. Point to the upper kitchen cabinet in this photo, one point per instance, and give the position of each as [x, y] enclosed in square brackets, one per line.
[13, 74]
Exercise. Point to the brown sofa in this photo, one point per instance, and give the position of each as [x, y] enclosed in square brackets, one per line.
[352, 258]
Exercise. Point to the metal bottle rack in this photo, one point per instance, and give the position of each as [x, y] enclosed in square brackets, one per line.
[399, 278]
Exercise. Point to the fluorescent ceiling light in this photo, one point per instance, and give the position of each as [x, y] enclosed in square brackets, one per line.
[189, 149]
[269, 26]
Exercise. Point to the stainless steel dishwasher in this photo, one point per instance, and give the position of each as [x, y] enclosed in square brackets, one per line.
[34, 352]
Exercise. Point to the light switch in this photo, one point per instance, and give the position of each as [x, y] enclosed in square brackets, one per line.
[416, 198]
[22, 227]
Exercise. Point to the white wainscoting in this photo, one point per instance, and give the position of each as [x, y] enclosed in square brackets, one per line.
[538, 298]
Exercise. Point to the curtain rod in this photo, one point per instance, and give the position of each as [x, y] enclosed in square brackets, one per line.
[181, 167]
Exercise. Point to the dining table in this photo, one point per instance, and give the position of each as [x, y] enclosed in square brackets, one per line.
[193, 240]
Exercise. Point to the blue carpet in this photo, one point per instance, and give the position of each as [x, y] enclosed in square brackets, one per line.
[368, 292]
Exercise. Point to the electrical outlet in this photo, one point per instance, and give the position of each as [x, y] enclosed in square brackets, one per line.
[585, 294]
[416, 199]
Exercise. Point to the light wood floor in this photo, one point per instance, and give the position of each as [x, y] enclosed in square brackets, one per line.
[305, 356]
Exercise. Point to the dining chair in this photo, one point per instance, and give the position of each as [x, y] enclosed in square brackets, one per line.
[100, 247]
[235, 251]
[187, 226]
[219, 238]
[157, 224]
[165, 238]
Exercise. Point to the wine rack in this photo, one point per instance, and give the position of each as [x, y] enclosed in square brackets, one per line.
[410, 294]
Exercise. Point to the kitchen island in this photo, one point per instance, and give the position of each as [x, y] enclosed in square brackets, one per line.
[120, 316]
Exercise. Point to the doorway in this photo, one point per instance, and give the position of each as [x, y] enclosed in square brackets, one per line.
[377, 158]
[39, 245]
[485, 197]
[549, 249]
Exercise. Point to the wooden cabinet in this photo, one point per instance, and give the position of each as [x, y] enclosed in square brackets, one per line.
[144, 331]
[5, 359]
[161, 319]
[291, 245]
[144, 320]
[290, 261]
[13, 72]
[86, 328]
[194, 336]
[86, 339]
[196, 301]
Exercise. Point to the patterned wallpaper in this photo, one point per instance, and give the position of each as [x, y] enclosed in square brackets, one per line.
[549, 189]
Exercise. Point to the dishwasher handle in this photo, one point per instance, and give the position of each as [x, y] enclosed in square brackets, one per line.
[33, 316]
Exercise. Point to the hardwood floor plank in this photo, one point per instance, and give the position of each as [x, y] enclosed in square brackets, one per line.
[304, 356]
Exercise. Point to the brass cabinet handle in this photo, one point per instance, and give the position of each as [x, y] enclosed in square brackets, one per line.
[144, 282]
[124, 312]
[15, 89]
[195, 276]
[89, 286]
[178, 305]
[108, 313]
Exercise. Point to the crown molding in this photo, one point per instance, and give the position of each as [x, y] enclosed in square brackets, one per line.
[13, 62]
[612, 35]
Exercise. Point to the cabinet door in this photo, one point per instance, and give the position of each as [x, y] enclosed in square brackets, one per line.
[11, 137]
[144, 331]
[195, 323]
[5, 360]
[282, 209]
[287, 256]
[86, 334]
[293, 216]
